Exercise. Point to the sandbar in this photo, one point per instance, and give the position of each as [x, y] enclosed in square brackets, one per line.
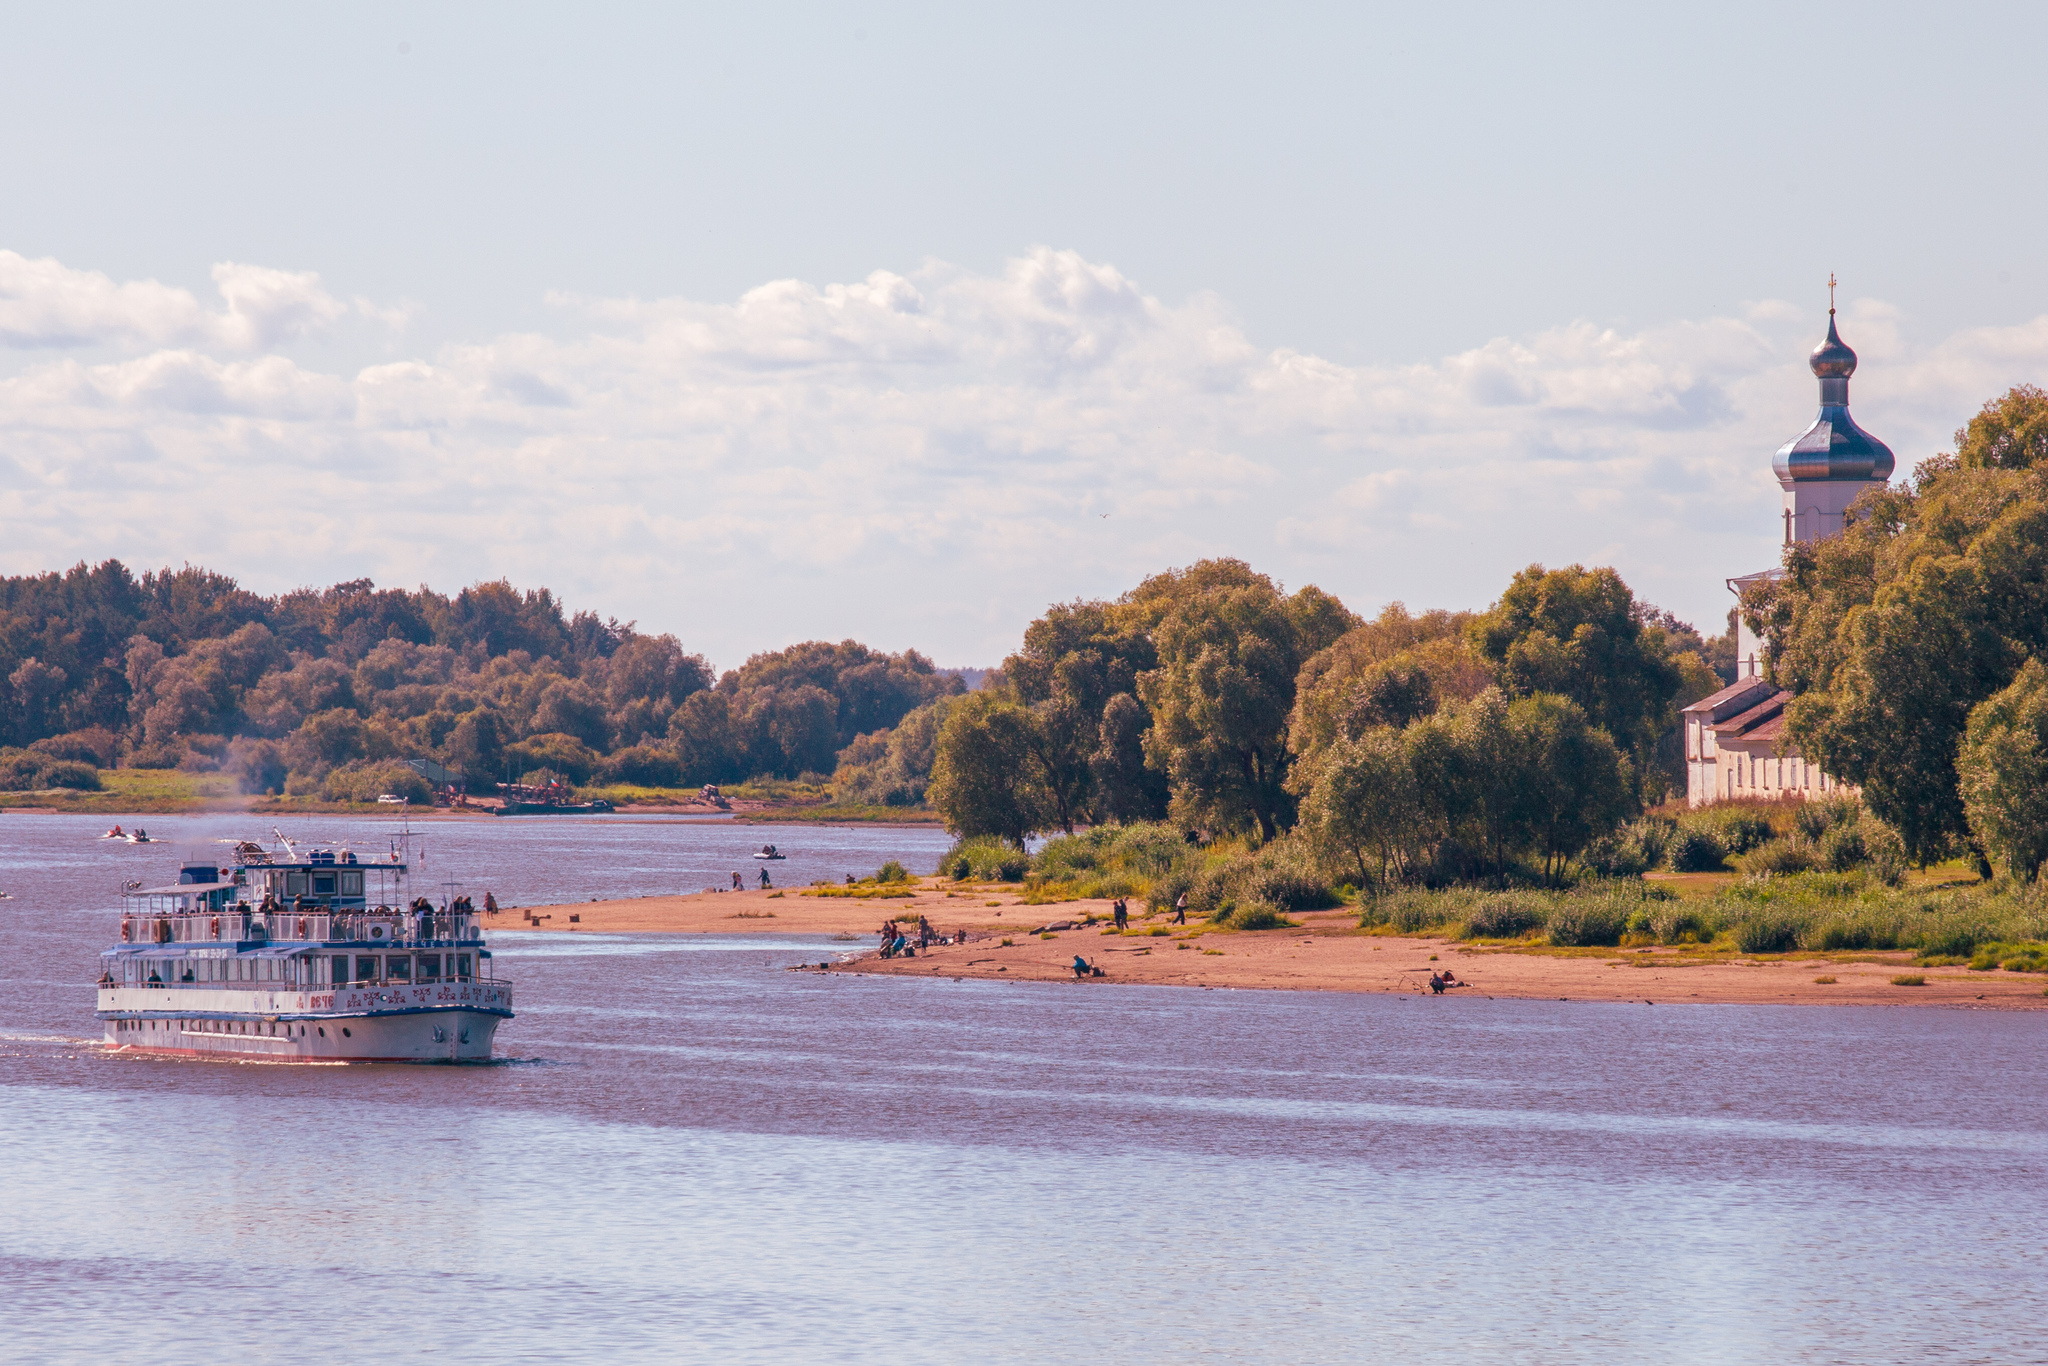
[1325, 952]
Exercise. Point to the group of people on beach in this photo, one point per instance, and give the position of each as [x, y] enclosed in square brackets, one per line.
[739, 884]
[896, 940]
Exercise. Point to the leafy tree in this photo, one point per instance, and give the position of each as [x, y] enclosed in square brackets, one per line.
[477, 745]
[1125, 789]
[326, 740]
[706, 742]
[1387, 672]
[1361, 802]
[1926, 605]
[1230, 647]
[1582, 634]
[1572, 785]
[563, 754]
[893, 767]
[2009, 433]
[2003, 767]
[985, 778]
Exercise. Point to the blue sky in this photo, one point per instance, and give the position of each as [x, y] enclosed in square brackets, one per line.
[770, 322]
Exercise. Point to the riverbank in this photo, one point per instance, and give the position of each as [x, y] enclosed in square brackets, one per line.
[1325, 951]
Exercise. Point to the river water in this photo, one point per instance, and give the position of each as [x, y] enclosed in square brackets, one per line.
[693, 1155]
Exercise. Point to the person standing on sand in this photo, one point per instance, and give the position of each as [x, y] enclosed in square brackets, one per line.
[765, 883]
[1180, 910]
[1122, 914]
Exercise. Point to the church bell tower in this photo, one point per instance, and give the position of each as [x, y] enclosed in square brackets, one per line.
[1823, 469]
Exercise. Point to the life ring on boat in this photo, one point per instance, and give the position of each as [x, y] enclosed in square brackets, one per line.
[214, 928]
[302, 927]
[124, 929]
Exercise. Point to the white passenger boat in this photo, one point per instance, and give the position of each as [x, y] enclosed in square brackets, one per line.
[300, 955]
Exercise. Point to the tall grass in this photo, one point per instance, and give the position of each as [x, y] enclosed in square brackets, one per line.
[1807, 912]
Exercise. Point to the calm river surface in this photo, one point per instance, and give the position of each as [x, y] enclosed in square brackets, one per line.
[692, 1155]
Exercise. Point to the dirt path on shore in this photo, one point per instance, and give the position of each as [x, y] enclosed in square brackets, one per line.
[1326, 952]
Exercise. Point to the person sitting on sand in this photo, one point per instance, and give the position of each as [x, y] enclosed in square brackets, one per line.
[737, 883]
[1081, 967]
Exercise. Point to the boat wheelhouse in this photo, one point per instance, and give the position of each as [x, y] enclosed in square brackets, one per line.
[298, 955]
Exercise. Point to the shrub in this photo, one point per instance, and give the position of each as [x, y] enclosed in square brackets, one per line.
[1780, 857]
[1742, 830]
[643, 766]
[1816, 816]
[984, 859]
[1767, 930]
[1582, 922]
[1259, 917]
[892, 871]
[70, 773]
[1504, 917]
[1677, 923]
[365, 780]
[1842, 848]
[27, 771]
[1693, 850]
[563, 753]
[95, 745]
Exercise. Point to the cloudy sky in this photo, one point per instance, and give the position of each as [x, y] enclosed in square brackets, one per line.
[901, 322]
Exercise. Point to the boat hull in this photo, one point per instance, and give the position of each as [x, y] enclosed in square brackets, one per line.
[351, 1025]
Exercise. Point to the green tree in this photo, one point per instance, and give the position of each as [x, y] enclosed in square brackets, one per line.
[1360, 802]
[1571, 783]
[1581, 633]
[2003, 767]
[477, 746]
[1075, 661]
[1230, 647]
[985, 775]
[1927, 604]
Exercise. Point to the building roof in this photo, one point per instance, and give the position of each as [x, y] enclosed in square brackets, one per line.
[1763, 721]
[1731, 699]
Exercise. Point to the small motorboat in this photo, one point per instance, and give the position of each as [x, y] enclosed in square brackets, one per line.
[141, 836]
[117, 833]
[768, 851]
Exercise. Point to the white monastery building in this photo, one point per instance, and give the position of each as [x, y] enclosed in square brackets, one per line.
[1735, 739]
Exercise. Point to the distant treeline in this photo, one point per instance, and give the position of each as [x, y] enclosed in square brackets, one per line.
[321, 691]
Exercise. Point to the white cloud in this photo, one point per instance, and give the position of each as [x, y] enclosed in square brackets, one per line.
[919, 459]
[44, 303]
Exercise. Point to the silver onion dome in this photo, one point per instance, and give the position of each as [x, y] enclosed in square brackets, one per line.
[1834, 447]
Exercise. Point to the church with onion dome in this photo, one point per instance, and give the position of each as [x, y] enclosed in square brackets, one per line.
[1735, 744]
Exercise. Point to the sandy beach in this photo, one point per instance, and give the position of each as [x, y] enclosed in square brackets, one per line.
[1326, 952]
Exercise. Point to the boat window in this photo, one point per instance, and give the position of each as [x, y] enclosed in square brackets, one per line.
[430, 967]
[337, 970]
[294, 884]
[323, 884]
[265, 972]
[366, 967]
[351, 884]
[398, 967]
[462, 966]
